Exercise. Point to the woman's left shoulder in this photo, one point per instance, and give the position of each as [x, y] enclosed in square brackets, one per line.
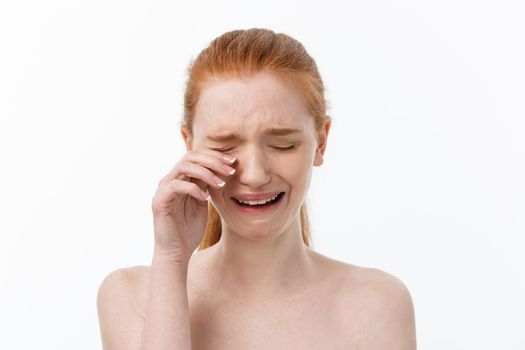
[383, 305]
[363, 284]
[375, 282]
[360, 279]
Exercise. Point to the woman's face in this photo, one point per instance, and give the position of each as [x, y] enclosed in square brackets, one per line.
[242, 118]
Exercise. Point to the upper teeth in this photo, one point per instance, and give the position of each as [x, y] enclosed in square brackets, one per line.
[264, 201]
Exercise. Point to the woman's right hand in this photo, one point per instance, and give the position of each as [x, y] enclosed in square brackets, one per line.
[180, 207]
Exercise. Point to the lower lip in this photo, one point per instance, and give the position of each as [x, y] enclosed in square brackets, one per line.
[259, 208]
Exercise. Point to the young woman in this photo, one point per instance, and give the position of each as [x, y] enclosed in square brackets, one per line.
[254, 126]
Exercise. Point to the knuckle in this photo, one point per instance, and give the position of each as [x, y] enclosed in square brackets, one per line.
[219, 164]
[174, 184]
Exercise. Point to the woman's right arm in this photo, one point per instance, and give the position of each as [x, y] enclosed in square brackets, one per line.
[167, 323]
[180, 211]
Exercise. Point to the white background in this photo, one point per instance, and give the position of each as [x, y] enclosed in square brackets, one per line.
[423, 175]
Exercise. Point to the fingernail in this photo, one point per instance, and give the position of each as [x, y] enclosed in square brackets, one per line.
[219, 181]
[228, 158]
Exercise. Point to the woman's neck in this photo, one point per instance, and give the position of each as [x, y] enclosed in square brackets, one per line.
[261, 267]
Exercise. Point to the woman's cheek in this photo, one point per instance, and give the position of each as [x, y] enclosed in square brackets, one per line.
[293, 167]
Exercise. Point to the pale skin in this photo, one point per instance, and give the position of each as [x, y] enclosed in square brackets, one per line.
[260, 286]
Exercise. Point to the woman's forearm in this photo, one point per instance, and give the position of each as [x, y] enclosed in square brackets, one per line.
[167, 323]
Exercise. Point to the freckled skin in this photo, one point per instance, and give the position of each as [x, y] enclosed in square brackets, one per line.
[247, 107]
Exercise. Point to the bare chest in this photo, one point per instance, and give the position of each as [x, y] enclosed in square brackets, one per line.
[310, 321]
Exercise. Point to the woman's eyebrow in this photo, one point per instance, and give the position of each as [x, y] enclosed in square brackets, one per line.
[268, 131]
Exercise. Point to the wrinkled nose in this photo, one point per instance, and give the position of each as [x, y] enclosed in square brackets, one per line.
[254, 168]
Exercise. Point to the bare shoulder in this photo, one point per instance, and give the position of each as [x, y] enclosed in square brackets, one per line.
[120, 314]
[358, 278]
[375, 284]
[383, 307]
[136, 279]
[134, 282]
[126, 284]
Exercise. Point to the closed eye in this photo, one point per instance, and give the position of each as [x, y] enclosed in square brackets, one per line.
[222, 149]
[286, 148]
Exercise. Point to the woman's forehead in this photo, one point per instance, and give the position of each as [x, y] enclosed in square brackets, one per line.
[239, 127]
[262, 96]
[249, 103]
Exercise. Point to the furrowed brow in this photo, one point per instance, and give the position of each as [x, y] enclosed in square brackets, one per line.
[281, 131]
[223, 138]
[268, 131]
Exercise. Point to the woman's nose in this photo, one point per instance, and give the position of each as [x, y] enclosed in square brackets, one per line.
[254, 168]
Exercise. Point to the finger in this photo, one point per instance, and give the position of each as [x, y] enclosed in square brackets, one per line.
[166, 194]
[202, 185]
[201, 175]
[210, 159]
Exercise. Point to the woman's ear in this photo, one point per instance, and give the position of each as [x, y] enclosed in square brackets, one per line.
[321, 147]
[186, 136]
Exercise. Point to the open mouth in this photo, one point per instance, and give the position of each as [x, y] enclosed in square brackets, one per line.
[260, 204]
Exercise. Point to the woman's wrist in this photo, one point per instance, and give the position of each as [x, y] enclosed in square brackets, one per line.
[175, 259]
